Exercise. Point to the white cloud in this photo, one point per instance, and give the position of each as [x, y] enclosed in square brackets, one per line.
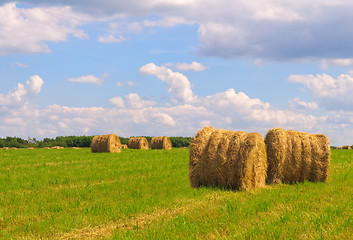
[132, 100]
[22, 65]
[178, 84]
[89, 79]
[118, 102]
[332, 93]
[194, 66]
[25, 30]
[111, 39]
[22, 92]
[127, 83]
[344, 62]
[296, 104]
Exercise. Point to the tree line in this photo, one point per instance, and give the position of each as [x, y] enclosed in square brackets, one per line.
[75, 141]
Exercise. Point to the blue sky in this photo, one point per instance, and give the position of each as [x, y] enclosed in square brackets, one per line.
[171, 67]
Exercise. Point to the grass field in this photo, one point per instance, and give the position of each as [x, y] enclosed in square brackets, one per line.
[145, 194]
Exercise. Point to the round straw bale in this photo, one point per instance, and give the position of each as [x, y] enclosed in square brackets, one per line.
[346, 147]
[235, 160]
[124, 146]
[161, 143]
[138, 143]
[295, 156]
[106, 143]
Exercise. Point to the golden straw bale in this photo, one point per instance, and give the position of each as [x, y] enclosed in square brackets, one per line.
[346, 147]
[295, 156]
[138, 143]
[5, 148]
[57, 147]
[236, 160]
[106, 143]
[31, 148]
[124, 146]
[161, 143]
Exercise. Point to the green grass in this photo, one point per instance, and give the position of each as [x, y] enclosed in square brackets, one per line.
[145, 194]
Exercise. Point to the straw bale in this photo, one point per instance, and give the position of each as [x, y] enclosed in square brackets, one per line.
[124, 146]
[161, 143]
[106, 143]
[5, 148]
[14, 148]
[295, 156]
[57, 147]
[235, 160]
[138, 143]
[31, 148]
[76, 148]
[346, 147]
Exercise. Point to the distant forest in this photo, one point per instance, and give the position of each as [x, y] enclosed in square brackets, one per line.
[75, 141]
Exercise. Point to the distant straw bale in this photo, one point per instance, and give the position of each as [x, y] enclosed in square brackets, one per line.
[5, 148]
[161, 143]
[76, 148]
[31, 148]
[235, 160]
[57, 147]
[14, 148]
[124, 146]
[138, 143]
[294, 156]
[106, 143]
[346, 147]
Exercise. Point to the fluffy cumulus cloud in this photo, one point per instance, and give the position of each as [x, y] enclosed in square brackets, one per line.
[132, 100]
[178, 84]
[333, 93]
[296, 104]
[89, 79]
[26, 30]
[21, 94]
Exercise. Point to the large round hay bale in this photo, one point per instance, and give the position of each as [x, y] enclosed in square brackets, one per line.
[106, 143]
[161, 143]
[295, 156]
[235, 160]
[346, 147]
[138, 143]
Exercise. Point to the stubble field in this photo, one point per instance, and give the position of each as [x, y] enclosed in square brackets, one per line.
[146, 194]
